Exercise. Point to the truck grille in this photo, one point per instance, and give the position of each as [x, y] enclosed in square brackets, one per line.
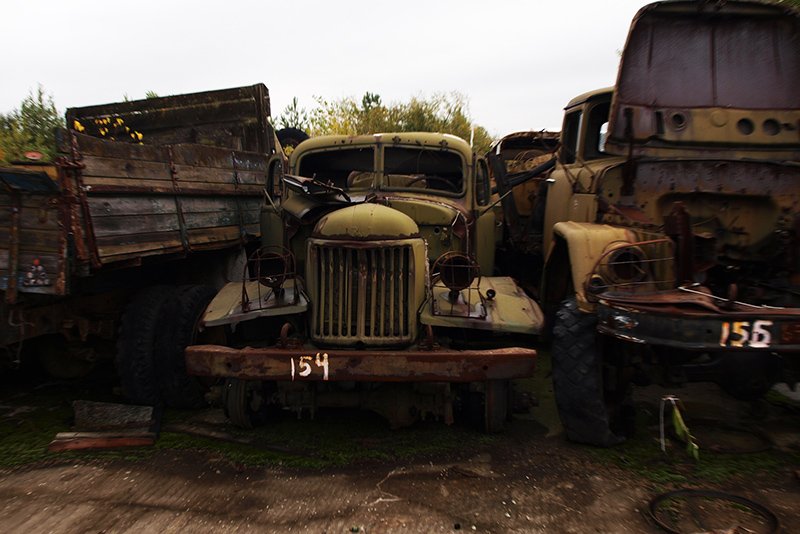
[362, 294]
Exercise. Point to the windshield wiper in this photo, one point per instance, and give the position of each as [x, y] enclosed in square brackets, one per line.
[314, 187]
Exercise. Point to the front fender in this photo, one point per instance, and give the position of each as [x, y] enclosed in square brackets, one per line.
[586, 243]
[509, 310]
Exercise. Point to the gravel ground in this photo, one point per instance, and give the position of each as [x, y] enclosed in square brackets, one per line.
[526, 480]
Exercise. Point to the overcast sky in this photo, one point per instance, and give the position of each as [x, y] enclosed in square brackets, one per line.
[518, 62]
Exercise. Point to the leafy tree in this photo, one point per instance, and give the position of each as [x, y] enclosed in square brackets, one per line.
[446, 113]
[30, 128]
[293, 117]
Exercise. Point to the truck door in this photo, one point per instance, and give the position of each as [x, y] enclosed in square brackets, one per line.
[484, 240]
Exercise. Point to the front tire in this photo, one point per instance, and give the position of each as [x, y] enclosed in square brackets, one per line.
[136, 343]
[180, 321]
[578, 378]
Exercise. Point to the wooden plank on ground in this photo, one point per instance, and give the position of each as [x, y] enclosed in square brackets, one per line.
[79, 442]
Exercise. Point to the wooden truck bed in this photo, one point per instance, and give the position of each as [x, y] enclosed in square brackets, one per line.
[115, 204]
[138, 181]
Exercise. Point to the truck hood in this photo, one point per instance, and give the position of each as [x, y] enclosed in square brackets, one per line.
[366, 222]
[704, 79]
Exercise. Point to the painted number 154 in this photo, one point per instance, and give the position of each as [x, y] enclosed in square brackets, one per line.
[746, 334]
[303, 367]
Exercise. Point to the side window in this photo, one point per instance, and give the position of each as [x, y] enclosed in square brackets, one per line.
[596, 131]
[569, 147]
[482, 188]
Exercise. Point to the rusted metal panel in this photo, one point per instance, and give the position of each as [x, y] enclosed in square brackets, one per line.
[741, 95]
[315, 364]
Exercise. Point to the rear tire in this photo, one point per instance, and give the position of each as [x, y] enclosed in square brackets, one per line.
[243, 402]
[289, 138]
[135, 346]
[496, 405]
[180, 320]
[578, 378]
[485, 406]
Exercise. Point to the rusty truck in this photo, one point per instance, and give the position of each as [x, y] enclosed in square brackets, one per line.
[373, 288]
[150, 206]
[671, 224]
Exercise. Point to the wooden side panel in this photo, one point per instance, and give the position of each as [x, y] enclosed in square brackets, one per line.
[39, 259]
[236, 118]
[148, 201]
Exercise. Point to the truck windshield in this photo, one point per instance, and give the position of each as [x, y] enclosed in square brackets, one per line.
[340, 167]
[405, 168]
[414, 168]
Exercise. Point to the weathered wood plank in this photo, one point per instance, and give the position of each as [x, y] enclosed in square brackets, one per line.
[186, 174]
[31, 201]
[115, 186]
[123, 225]
[31, 239]
[99, 442]
[111, 249]
[123, 184]
[207, 156]
[235, 112]
[32, 218]
[218, 176]
[125, 168]
[140, 205]
[214, 235]
[92, 146]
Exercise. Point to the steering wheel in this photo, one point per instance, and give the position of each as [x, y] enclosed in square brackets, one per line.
[438, 179]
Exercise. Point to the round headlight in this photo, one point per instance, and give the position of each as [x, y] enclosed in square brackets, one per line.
[456, 270]
[626, 265]
[271, 266]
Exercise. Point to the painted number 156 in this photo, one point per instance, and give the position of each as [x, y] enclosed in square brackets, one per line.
[746, 334]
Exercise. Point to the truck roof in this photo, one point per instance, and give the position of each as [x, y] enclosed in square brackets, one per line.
[425, 139]
[580, 99]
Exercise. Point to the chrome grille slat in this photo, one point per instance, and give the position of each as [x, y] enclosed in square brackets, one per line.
[361, 315]
[340, 290]
[392, 286]
[331, 296]
[353, 283]
[373, 298]
[382, 254]
[400, 291]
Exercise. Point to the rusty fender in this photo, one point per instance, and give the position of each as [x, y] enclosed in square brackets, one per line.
[315, 364]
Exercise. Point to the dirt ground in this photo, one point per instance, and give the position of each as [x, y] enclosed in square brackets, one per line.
[347, 472]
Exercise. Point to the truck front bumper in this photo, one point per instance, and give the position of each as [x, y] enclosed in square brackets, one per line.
[304, 363]
[701, 329]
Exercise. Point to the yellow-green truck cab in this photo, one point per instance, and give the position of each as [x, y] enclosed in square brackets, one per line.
[672, 224]
[376, 276]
